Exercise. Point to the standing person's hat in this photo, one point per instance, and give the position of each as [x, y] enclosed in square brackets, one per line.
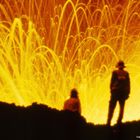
[120, 64]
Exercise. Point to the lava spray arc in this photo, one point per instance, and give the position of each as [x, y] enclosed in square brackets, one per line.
[49, 47]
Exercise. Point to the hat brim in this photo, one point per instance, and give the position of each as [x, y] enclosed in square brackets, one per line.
[119, 66]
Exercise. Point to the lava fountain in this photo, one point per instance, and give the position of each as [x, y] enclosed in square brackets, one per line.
[49, 47]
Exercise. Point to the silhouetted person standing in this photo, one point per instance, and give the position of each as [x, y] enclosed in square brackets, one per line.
[120, 89]
[73, 103]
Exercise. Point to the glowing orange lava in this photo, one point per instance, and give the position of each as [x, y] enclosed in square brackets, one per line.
[49, 47]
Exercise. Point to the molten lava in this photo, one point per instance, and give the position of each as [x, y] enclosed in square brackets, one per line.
[49, 47]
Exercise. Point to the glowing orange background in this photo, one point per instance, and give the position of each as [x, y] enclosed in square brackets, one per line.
[48, 47]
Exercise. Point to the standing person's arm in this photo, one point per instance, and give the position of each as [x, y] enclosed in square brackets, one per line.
[113, 81]
[128, 85]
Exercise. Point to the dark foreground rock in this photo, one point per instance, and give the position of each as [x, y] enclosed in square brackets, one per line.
[39, 122]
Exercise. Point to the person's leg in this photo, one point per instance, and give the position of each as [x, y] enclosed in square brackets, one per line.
[112, 105]
[121, 103]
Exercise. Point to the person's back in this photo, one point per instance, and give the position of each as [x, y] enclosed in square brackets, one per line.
[72, 104]
[120, 83]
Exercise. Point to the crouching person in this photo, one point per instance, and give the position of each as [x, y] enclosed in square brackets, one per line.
[73, 103]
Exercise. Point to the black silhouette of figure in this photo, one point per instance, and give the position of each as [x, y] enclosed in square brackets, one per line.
[120, 89]
[73, 103]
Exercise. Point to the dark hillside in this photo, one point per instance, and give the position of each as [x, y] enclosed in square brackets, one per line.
[39, 122]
